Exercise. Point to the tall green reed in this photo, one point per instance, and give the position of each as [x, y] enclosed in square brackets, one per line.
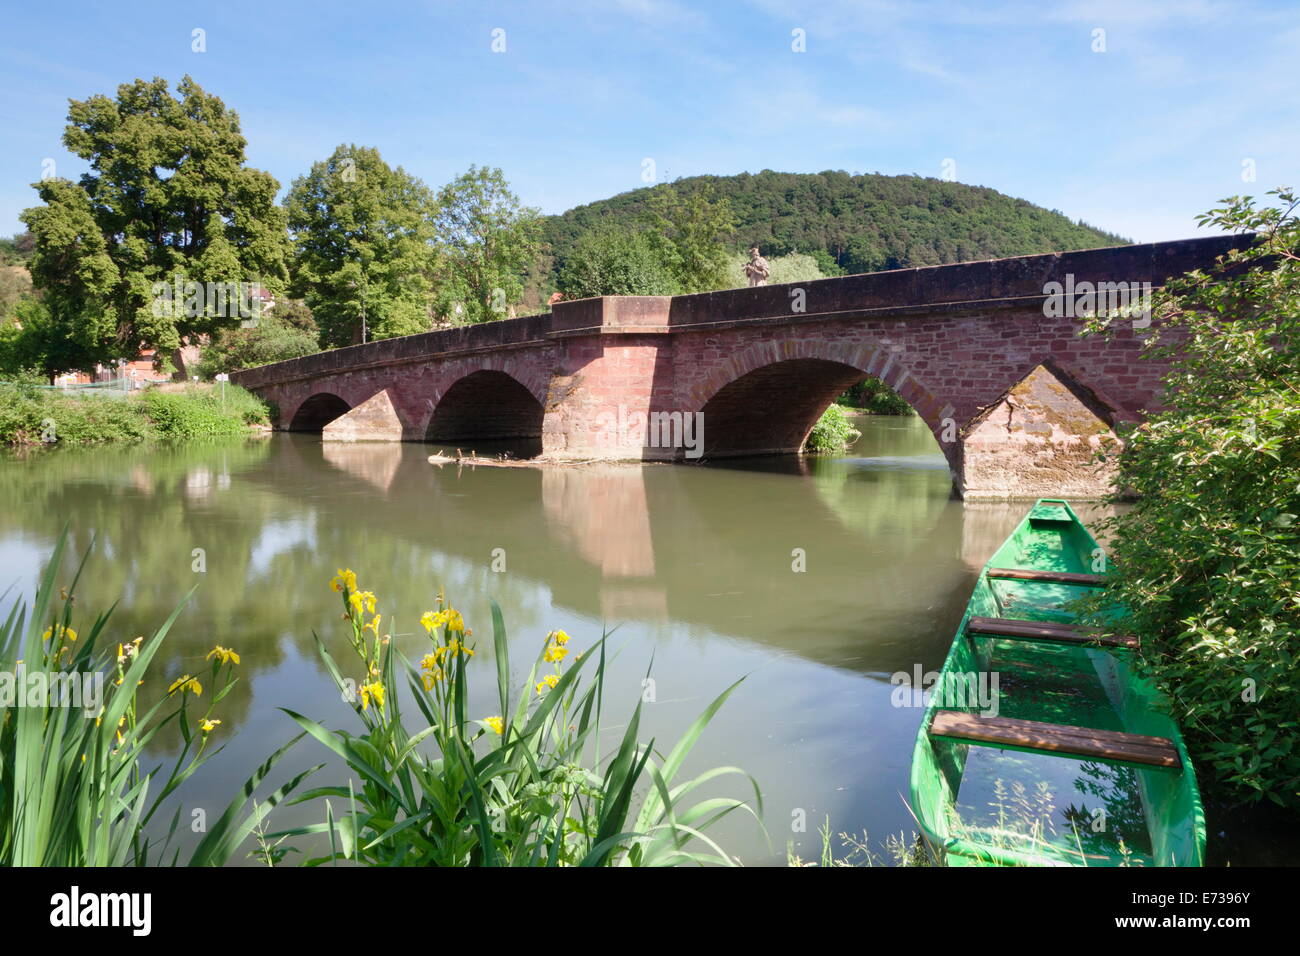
[73, 734]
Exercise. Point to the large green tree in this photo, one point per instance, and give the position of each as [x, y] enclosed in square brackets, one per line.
[695, 229]
[167, 199]
[33, 340]
[363, 246]
[490, 239]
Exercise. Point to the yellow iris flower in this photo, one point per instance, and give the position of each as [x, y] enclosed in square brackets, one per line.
[223, 654]
[372, 690]
[185, 683]
[449, 617]
[344, 579]
[360, 599]
[547, 682]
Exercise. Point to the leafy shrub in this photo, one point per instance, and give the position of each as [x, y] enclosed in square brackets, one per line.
[1207, 561]
[274, 339]
[87, 419]
[833, 432]
[241, 403]
[30, 416]
[873, 396]
[189, 415]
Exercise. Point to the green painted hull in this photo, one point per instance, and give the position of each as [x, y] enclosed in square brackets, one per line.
[995, 805]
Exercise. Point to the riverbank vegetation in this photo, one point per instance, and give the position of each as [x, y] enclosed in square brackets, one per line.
[1207, 559]
[32, 414]
[536, 784]
[833, 432]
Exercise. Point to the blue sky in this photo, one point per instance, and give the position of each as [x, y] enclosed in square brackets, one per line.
[1137, 139]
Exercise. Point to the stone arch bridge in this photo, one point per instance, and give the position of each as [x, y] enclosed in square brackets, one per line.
[989, 354]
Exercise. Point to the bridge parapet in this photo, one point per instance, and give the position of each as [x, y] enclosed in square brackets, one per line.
[506, 333]
[1019, 282]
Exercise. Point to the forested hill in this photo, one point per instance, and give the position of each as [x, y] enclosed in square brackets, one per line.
[864, 223]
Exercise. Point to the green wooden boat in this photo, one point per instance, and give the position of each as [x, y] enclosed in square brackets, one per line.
[1040, 745]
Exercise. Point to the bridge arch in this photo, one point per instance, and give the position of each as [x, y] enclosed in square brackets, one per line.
[486, 405]
[767, 396]
[317, 411]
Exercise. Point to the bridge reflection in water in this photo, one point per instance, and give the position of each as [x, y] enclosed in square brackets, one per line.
[693, 565]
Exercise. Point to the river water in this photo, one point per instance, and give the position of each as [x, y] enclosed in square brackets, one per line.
[815, 579]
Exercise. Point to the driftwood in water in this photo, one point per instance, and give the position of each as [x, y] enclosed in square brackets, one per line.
[460, 458]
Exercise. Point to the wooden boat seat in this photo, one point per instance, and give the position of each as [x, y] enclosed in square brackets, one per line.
[1045, 631]
[1049, 512]
[1056, 738]
[1050, 577]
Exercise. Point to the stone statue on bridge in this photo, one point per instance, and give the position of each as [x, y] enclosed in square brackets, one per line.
[756, 269]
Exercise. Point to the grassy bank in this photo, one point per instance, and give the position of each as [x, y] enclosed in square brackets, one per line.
[30, 415]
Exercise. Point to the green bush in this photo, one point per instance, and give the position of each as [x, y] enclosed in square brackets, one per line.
[874, 397]
[276, 338]
[240, 403]
[32, 416]
[192, 414]
[1207, 561]
[833, 432]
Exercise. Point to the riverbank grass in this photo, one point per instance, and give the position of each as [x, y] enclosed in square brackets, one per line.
[35, 416]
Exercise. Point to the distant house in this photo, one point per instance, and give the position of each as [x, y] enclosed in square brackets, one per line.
[139, 372]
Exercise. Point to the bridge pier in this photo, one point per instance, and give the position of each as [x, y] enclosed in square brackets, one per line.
[375, 419]
[1045, 437]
